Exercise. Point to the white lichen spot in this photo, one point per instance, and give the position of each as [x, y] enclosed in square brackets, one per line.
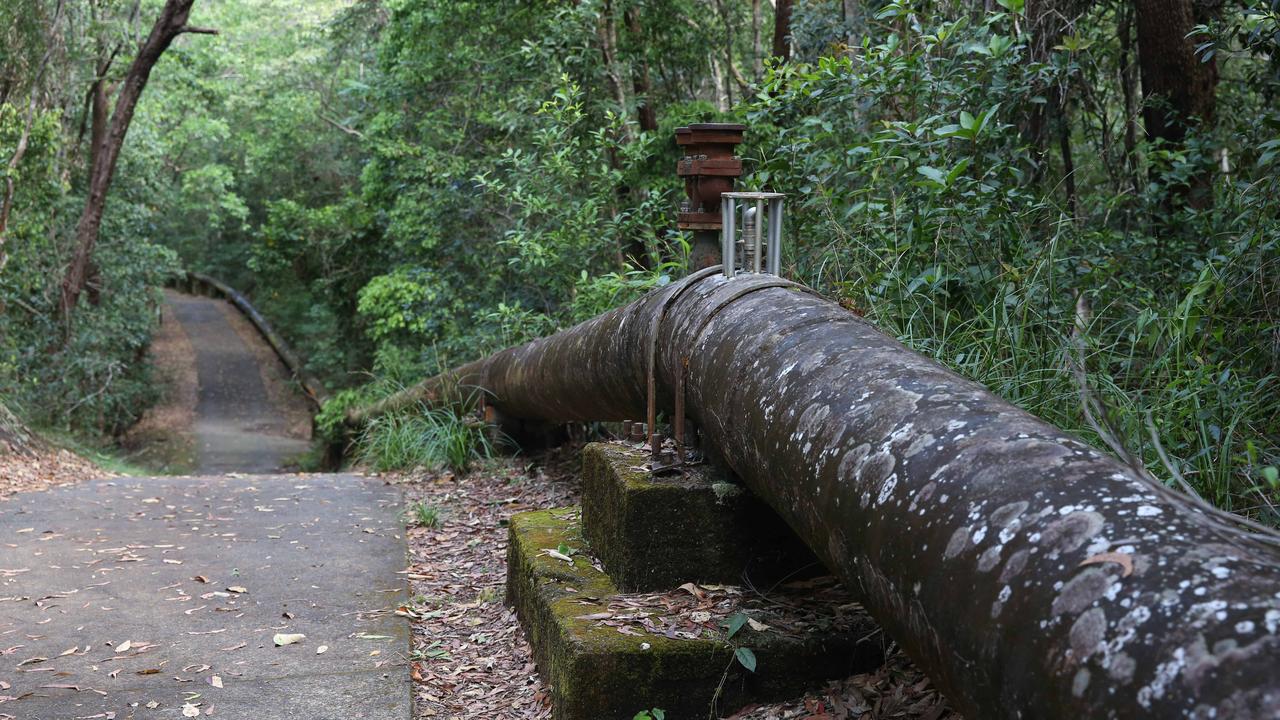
[1148, 511]
[1272, 621]
[979, 534]
[886, 489]
[1245, 627]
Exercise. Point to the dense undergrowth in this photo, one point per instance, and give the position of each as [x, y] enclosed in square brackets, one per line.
[406, 184]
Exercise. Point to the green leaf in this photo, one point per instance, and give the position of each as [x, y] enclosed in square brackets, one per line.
[746, 658]
[1272, 475]
[966, 120]
[735, 623]
[933, 174]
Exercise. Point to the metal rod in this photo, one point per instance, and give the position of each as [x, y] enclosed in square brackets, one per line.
[775, 236]
[728, 235]
[757, 246]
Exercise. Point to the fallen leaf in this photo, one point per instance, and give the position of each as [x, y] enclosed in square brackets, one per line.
[124, 646]
[216, 681]
[757, 625]
[237, 589]
[694, 590]
[322, 649]
[1124, 560]
[557, 555]
[288, 638]
[200, 579]
[189, 710]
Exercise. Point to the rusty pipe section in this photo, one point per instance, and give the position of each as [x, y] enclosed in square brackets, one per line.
[1029, 574]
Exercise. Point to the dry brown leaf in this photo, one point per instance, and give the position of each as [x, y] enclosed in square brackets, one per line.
[1124, 560]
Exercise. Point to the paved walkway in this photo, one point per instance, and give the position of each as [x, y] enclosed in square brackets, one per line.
[237, 427]
[160, 598]
[198, 575]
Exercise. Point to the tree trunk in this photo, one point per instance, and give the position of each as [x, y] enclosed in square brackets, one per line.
[1128, 87]
[24, 139]
[1178, 88]
[646, 113]
[782, 30]
[757, 48]
[851, 13]
[607, 32]
[1029, 574]
[171, 23]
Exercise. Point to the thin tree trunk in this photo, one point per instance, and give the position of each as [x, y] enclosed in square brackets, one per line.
[607, 31]
[642, 82]
[782, 30]
[852, 14]
[757, 49]
[24, 139]
[171, 23]
[1128, 86]
[1068, 162]
[717, 80]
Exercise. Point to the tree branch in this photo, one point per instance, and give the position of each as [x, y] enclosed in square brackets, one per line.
[192, 29]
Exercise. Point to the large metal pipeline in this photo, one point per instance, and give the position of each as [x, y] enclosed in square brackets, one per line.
[1029, 574]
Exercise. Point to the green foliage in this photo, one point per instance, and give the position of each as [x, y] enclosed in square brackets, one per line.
[403, 185]
[423, 515]
[654, 714]
[423, 437]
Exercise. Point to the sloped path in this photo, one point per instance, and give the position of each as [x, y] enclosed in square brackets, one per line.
[160, 597]
[198, 575]
[238, 427]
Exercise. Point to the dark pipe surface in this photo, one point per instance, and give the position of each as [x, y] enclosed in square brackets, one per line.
[1029, 574]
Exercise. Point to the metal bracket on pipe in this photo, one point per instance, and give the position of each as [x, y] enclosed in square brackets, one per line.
[652, 414]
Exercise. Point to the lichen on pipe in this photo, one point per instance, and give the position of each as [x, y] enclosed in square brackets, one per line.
[1031, 575]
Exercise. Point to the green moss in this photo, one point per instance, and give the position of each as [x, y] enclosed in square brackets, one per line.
[598, 673]
[659, 532]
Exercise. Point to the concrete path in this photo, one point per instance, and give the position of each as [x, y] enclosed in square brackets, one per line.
[127, 598]
[160, 598]
[237, 427]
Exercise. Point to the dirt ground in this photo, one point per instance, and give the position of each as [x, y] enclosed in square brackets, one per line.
[162, 438]
[471, 659]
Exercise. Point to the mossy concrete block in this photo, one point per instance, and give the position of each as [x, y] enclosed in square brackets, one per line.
[655, 533]
[599, 673]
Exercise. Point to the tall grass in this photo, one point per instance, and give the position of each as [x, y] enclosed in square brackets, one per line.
[423, 437]
[1180, 369]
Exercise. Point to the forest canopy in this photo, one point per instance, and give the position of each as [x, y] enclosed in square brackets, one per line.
[1072, 202]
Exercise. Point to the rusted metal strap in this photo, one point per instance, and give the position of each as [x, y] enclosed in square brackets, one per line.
[673, 293]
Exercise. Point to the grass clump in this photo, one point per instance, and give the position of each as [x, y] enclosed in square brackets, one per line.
[423, 437]
[423, 515]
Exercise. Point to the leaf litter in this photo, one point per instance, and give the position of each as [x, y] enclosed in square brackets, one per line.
[471, 659]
